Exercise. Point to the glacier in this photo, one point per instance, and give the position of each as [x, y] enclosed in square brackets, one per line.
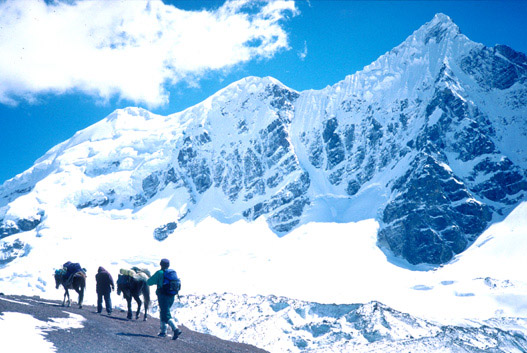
[404, 184]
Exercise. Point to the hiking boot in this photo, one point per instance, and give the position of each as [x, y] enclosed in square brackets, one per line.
[162, 329]
[177, 332]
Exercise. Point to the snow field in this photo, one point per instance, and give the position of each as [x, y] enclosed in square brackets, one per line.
[319, 262]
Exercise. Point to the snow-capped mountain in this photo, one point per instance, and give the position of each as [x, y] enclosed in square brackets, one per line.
[429, 140]
[350, 194]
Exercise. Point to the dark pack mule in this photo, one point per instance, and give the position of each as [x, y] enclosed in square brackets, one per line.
[134, 287]
[77, 283]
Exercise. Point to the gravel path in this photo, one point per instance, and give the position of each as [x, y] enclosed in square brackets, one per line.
[102, 333]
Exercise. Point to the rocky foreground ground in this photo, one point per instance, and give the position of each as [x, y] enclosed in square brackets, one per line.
[102, 333]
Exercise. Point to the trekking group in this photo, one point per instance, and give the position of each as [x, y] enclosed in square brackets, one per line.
[132, 283]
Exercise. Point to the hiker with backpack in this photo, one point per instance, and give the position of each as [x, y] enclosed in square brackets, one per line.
[105, 286]
[168, 285]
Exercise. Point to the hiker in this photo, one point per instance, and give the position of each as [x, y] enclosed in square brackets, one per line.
[71, 268]
[104, 288]
[167, 287]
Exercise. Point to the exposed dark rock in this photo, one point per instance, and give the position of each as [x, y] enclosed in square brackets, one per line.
[495, 68]
[349, 137]
[333, 144]
[287, 218]
[242, 126]
[316, 152]
[138, 200]
[27, 224]
[253, 169]
[360, 155]
[285, 207]
[502, 184]
[274, 141]
[8, 228]
[335, 178]
[25, 190]
[375, 132]
[447, 101]
[471, 143]
[353, 187]
[162, 232]
[274, 180]
[171, 176]
[150, 184]
[12, 251]
[437, 33]
[422, 224]
[281, 98]
[203, 138]
[232, 183]
[201, 176]
[101, 202]
[196, 168]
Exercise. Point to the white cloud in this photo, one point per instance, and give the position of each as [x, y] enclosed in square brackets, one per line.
[302, 54]
[129, 48]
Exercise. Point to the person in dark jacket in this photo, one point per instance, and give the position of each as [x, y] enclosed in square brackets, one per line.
[165, 301]
[105, 286]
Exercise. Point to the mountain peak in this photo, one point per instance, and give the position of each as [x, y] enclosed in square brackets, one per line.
[442, 18]
[260, 81]
[251, 84]
[438, 29]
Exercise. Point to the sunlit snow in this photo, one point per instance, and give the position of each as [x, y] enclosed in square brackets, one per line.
[24, 333]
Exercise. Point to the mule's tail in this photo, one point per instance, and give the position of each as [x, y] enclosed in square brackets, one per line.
[146, 293]
[81, 284]
[146, 297]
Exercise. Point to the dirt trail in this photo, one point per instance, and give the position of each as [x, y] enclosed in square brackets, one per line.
[102, 333]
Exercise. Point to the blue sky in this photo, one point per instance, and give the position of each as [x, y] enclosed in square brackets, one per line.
[57, 77]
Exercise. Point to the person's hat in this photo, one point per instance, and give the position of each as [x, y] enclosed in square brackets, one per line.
[164, 263]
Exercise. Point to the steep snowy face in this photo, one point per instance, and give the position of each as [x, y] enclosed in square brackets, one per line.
[429, 140]
[230, 156]
[422, 124]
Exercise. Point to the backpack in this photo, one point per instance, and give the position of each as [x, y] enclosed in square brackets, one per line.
[171, 282]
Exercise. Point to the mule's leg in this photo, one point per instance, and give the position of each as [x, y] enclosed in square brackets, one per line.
[138, 300]
[67, 294]
[146, 308]
[129, 302]
[81, 296]
[146, 297]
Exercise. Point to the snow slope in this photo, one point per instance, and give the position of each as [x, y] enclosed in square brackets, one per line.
[484, 286]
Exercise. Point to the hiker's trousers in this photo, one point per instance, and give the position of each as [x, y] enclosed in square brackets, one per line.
[165, 303]
[107, 301]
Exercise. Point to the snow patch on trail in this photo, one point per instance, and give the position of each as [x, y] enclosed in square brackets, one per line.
[24, 333]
